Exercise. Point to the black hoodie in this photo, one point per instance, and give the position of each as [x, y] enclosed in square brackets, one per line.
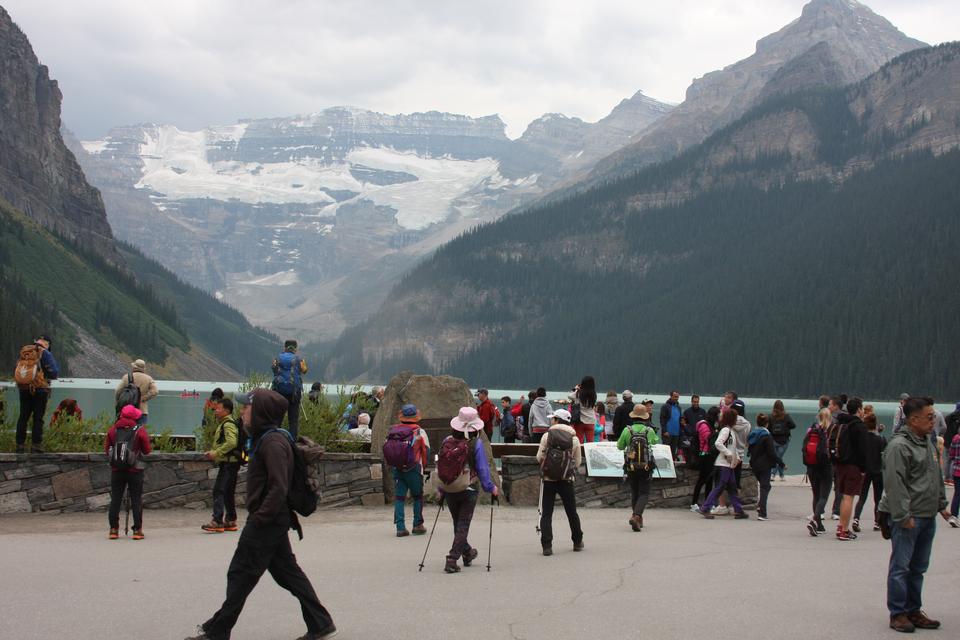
[270, 470]
[853, 431]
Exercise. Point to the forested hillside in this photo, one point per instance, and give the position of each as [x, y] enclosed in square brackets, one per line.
[788, 254]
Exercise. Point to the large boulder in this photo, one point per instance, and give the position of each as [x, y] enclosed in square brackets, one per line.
[436, 397]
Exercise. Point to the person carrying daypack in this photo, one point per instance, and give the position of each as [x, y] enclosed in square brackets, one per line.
[35, 368]
[462, 464]
[819, 469]
[288, 370]
[272, 485]
[559, 456]
[706, 456]
[126, 444]
[407, 451]
[636, 442]
[227, 456]
[136, 388]
[781, 426]
[763, 459]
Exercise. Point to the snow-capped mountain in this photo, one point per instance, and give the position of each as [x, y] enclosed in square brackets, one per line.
[304, 222]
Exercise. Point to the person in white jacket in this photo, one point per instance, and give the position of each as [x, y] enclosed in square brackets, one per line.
[730, 457]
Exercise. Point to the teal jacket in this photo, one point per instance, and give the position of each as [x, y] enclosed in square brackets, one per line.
[912, 479]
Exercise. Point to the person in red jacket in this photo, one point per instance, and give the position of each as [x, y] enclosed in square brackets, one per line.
[126, 470]
[487, 411]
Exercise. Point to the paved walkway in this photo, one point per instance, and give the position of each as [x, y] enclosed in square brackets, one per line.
[682, 577]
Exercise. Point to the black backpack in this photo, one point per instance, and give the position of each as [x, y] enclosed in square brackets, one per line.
[302, 494]
[780, 428]
[836, 441]
[638, 453]
[129, 394]
[558, 459]
[124, 452]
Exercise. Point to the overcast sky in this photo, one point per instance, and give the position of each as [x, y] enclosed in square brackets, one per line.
[199, 62]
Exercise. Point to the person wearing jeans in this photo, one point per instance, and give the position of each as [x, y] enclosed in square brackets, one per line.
[913, 495]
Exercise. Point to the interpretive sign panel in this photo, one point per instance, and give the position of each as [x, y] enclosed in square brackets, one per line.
[604, 460]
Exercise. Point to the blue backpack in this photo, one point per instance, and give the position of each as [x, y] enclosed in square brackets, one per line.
[287, 380]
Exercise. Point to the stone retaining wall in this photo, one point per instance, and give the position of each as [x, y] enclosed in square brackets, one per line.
[521, 483]
[68, 482]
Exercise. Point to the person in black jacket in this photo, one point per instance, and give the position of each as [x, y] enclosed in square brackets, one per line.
[848, 458]
[763, 458]
[873, 445]
[781, 426]
[621, 417]
[264, 544]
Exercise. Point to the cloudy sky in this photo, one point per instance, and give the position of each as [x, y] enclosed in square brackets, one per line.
[198, 62]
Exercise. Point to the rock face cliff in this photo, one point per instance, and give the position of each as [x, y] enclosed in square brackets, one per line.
[38, 174]
[843, 39]
[305, 222]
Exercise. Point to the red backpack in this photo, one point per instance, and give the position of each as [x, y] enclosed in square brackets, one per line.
[815, 446]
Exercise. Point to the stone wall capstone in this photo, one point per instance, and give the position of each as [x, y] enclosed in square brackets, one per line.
[68, 482]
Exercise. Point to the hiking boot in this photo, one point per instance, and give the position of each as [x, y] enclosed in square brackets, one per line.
[230, 525]
[921, 621]
[138, 534]
[114, 534]
[402, 533]
[856, 525]
[635, 523]
[419, 529]
[578, 546]
[741, 515]
[329, 632]
[469, 557]
[902, 624]
[451, 567]
[547, 550]
[812, 528]
[213, 527]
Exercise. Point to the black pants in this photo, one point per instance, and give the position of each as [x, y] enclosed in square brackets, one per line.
[224, 492]
[262, 549]
[821, 479]
[639, 490]
[35, 405]
[551, 490]
[875, 479]
[704, 478]
[462, 505]
[763, 477]
[133, 481]
[293, 414]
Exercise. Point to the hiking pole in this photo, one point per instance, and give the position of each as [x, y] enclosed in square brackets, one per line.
[126, 520]
[540, 506]
[424, 559]
[490, 543]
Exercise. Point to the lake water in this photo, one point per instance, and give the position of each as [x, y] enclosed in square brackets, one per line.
[179, 406]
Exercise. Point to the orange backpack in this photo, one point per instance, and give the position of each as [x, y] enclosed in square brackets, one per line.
[29, 374]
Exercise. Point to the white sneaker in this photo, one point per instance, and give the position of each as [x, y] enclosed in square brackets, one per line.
[695, 508]
[954, 522]
[834, 517]
[720, 511]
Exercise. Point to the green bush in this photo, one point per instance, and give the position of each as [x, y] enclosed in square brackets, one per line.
[70, 435]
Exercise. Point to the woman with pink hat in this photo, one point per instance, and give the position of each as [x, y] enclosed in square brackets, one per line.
[127, 441]
[462, 465]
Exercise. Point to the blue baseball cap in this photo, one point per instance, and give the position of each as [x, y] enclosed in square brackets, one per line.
[409, 411]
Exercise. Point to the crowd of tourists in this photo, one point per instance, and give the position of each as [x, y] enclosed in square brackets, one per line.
[844, 450]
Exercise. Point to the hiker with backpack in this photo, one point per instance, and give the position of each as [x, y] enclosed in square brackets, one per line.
[707, 433]
[763, 459]
[845, 443]
[36, 367]
[136, 388]
[819, 469]
[463, 467]
[264, 544]
[126, 444]
[781, 426]
[559, 456]
[407, 452]
[728, 460]
[227, 457]
[636, 442]
[288, 370]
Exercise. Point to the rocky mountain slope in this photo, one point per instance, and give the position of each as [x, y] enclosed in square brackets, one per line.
[832, 43]
[305, 222]
[779, 234]
[62, 273]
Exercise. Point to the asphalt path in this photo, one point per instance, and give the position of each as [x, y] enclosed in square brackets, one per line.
[682, 577]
